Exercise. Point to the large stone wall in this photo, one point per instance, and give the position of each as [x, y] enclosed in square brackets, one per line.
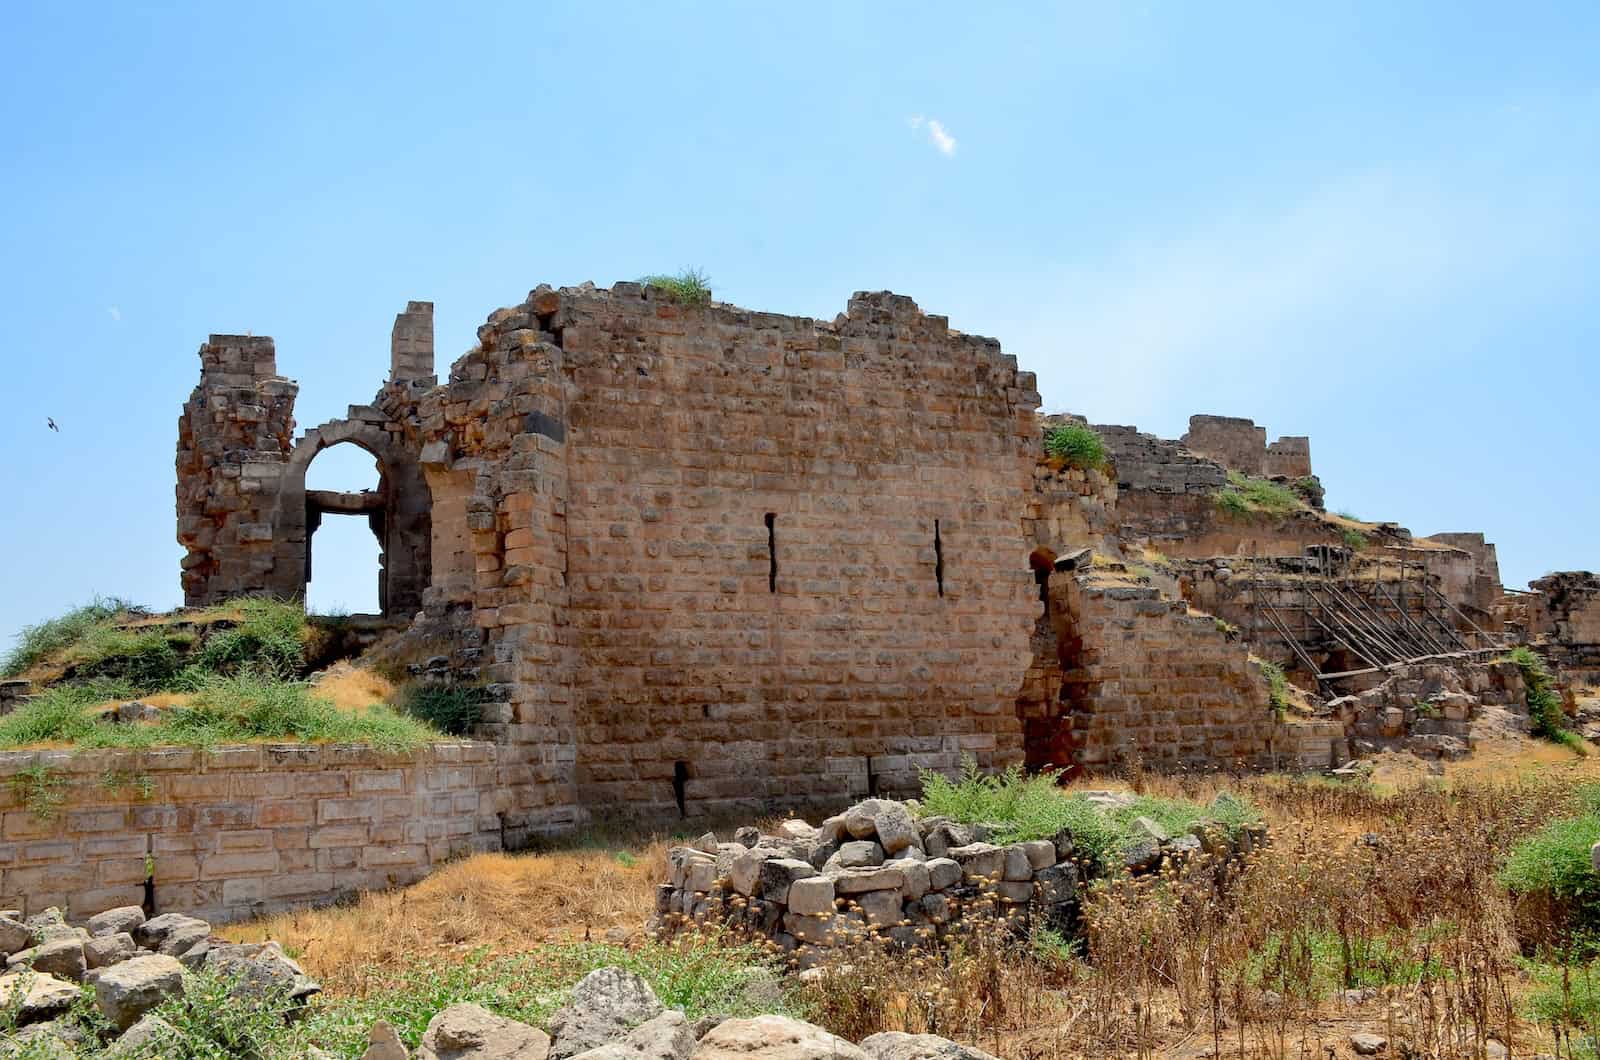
[234, 832]
[731, 561]
[1564, 618]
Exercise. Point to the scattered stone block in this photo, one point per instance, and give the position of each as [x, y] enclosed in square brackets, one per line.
[471, 1032]
[128, 990]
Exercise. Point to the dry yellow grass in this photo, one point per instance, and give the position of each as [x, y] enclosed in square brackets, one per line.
[353, 687]
[502, 903]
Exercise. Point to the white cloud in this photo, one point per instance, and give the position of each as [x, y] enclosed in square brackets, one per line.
[116, 314]
[938, 135]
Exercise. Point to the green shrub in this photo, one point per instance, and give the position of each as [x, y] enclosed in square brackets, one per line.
[1323, 962]
[1555, 861]
[1076, 445]
[35, 643]
[452, 709]
[1277, 688]
[1022, 807]
[1353, 539]
[211, 1023]
[1233, 502]
[1548, 719]
[691, 286]
[270, 637]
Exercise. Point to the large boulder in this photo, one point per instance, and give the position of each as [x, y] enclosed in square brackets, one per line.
[259, 969]
[898, 1045]
[670, 1036]
[172, 934]
[128, 990]
[109, 949]
[35, 996]
[14, 936]
[114, 921]
[606, 1004]
[472, 1032]
[62, 958]
[773, 1038]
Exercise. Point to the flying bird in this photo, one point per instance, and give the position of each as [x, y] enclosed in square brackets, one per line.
[51, 421]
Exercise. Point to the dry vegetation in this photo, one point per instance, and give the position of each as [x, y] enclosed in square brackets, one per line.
[1372, 909]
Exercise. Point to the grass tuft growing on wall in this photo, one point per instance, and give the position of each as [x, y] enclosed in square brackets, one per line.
[1256, 496]
[691, 286]
[1076, 446]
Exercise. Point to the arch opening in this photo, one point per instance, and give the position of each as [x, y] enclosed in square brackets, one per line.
[347, 501]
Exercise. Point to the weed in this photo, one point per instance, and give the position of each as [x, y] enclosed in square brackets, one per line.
[1544, 702]
[36, 643]
[211, 1021]
[452, 709]
[241, 708]
[1353, 539]
[41, 790]
[1076, 445]
[270, 637]
[1249, 496]
[1021, 807]
[1226, 628]
[691, 286]
[1277, 689]
[117, 780]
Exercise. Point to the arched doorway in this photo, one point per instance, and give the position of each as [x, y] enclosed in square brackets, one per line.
[345, 524]
[397, 511]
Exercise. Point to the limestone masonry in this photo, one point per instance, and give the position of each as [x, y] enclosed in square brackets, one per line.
[703, 560]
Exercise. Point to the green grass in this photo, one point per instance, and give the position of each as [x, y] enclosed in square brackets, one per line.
[1548, 720]
[1255, 496]
[239, 709]
[270, 636]
[1277, 688]
[700, 976]
[35, 643]
[453, 709]
[691, 286]
[1076, 445]
[1353, 539]
[1555, 861]
[1320, 963]
[1566, 998]
[41, 790]
[1022, 807]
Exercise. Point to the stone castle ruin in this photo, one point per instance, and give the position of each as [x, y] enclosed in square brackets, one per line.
[707, 560]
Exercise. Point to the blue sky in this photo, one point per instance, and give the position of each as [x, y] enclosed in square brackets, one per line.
[1376, 224]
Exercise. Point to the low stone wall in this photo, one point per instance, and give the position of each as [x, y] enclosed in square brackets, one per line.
[235, 832]
[878, 871]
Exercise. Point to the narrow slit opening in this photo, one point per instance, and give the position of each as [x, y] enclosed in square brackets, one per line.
[680, 783]
[772, 552]
[938, 557]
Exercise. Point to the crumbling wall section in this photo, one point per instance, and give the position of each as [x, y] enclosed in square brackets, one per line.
[1565, 620]
[1144, 679]
[234, 439]
[1240, 445]
[494, 451]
